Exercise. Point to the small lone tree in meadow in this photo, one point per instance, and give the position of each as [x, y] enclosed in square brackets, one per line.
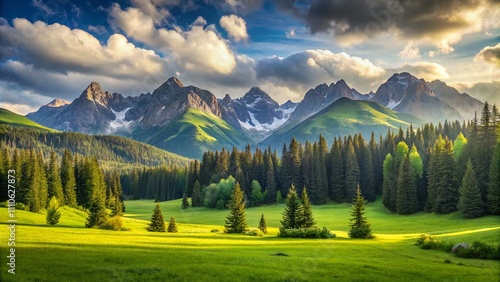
[185, 202]
[236, 221]
[263, 224]
[172, 226]
[360, 228]
[98, 216]
[53, 214]
[293, 214]
[157, 224]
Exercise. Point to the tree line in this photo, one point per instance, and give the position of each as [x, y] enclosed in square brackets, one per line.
[434, 168]
[75, 181]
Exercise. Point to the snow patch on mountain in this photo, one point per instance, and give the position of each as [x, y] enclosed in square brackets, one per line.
[119, 122]
[392, 104]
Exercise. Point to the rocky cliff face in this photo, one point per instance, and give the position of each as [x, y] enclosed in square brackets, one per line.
[407, 94]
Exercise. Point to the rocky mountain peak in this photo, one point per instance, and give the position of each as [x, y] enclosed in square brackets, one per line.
[94, 92]
[172, 85]
[226, 99]
[174, 81]
[56, 103]
[256, 95]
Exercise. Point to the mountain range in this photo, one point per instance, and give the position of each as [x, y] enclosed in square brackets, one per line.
[188, 120]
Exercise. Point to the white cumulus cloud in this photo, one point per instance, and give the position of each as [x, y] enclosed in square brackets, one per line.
[235, 26]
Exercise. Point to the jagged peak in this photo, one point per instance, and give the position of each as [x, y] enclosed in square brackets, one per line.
[174, 81]
[93, 91]
[56, 103]
[227, 99]
[342, 83]
[256, 92]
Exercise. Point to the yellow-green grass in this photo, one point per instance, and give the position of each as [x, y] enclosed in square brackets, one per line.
[70, 252]
[10, 118]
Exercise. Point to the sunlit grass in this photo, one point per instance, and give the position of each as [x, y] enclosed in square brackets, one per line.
[70, 252]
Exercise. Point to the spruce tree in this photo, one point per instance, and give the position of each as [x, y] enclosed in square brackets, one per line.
[293, 214]
[197, 199]
[157, 223]
[493, 198]
[271, 183]
[236, 220]
[447, 192]
[279, 198]
[352, 173]
[55, 188]
[53, 214]
[307, 216]
[98, 215]
[470, 202]
[337, 186]
[262, 224]
[359, 227]
[407, 202]
[185, 201]
[68, 180]
[172, 226]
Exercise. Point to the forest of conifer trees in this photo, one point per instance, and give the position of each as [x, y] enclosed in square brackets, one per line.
[443, 168]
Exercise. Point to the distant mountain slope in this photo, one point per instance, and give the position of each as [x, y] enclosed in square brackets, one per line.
[407, 94]
[10, 118]
[256, 113]
[113, 151]
[463, 103]
[192, 133]
[344, 117]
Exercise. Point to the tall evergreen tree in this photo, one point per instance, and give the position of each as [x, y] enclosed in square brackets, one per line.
[236, 220]
[172, 226]
[337, 187]
[271, 183]
[98, 215]
[68, 180]
[292, 216]
[359, 227]
[390, 176]
[406, 202]
[54, 179]
[307, 219]
[470, 202]
[197, 199]
[157, 223]
[493, 198]
[263, 224]
[185, 201]
[352, 173]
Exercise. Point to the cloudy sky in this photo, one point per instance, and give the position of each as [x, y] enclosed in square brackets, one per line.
[55, 48]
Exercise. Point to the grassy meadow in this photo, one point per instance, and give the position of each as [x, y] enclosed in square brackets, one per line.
[70, 252]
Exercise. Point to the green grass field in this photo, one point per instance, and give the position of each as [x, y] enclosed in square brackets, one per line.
[10, 118]
[70, 252]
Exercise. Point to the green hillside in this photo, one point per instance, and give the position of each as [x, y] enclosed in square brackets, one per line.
[345, 117]
[9, 118]
[113, 152]
[193, 133]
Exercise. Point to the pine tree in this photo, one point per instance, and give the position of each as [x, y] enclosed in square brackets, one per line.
[54, 179]
[307, 220]
[359, 228]
[337, 186]
[293, 214]
[256, 196]
[271, 183]
[470, 202]
[53, 214]
[236, 220]
[68, 180]
[98, 215]
[279, 198]
[262, 224]
[458, 145]
[172, 226]
[197, 199]
[390, 177]
[406, 202]
[185, 202]
[493, 198]
[157, 223]
[447, 192]
[352, 173]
